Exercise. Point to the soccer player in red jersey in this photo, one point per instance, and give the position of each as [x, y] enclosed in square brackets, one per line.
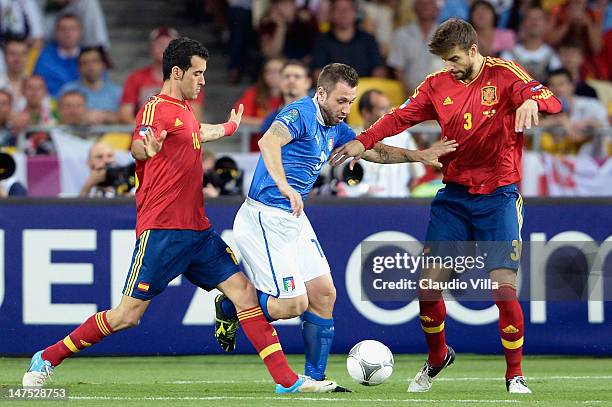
[484, 104]
[174, 235]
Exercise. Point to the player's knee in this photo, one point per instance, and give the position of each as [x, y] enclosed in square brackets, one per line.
[296, 306]
[126, 321]
[325, 297]
[120, 319]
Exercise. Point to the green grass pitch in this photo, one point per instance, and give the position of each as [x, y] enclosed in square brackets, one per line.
[234, 380]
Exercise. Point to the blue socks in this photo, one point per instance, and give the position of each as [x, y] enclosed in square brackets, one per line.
[318, 334]
[263, 303]
[229, 309]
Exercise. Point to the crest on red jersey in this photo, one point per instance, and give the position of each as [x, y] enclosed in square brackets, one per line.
[489, 95]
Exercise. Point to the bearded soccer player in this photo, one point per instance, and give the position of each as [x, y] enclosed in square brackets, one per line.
[287, 264]
[174, 235]
[485, 104]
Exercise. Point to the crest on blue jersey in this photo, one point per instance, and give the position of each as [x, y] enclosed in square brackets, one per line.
[290, 116]
[330, 143]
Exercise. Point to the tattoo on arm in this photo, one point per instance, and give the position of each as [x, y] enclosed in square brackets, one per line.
[211, 132]
[281, 132]
[383, 153]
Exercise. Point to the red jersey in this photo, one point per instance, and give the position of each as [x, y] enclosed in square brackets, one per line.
[169, 186]
[479, 115]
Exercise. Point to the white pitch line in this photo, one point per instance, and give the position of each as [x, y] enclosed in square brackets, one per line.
[211, 398]
[440, 379]
[451, 379]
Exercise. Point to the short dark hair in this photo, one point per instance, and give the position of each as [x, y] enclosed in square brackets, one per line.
[296, 62]
[365, 101]
[73, 92]
[572, 43]
[179, 53]
[66, 16]
[336, 72]
[11, 37]
[488, 6]
[559, 72]
[100, 50]
[452, 33]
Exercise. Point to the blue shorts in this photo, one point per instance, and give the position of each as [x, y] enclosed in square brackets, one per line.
[493, 221]
[161, 255]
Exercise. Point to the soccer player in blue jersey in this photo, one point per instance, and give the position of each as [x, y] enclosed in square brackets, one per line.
[287, 264]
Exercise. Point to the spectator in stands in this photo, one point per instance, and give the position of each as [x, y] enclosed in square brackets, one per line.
[208, 184]
[102, 95]
[145, 82]
[604, 67]
[572, 59]
[23, 19]
[532, 53]
[72, 109]
[378, 21]
[454, 8]
[575, 20]
[16, 58]
[101, 156]
[347, 44]
[57, 62]
[517, 13]
[581, 119]
[294, 84]
[242, 37]
[491, 40]
[37, 110]
[89, 13]
[8, 137]
[387, 181]
[263, 97]
[409, 55]
[287, 31]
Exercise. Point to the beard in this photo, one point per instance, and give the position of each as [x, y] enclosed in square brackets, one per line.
[465, 75]
[328, 116]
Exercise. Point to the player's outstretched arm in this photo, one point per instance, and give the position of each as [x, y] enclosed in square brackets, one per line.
[270, 146]
[353, 148]
[212, 132]
[149, 146]
[385, 154]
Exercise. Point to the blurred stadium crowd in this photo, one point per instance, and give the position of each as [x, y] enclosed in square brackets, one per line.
[61, 114]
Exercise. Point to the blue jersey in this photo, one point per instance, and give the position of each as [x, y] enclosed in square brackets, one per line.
[304, 156]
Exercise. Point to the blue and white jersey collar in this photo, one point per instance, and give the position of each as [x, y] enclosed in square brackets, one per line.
[319, 115]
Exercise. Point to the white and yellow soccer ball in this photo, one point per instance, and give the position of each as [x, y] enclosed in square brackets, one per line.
[370, 363]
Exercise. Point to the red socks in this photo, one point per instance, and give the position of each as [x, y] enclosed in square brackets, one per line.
[511, 328]
[263, 337]
[90, 332]
[432, 315]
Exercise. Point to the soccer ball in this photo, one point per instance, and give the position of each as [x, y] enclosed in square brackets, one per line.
[370, 363]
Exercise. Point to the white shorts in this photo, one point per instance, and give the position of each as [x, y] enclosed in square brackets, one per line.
[282, 251]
